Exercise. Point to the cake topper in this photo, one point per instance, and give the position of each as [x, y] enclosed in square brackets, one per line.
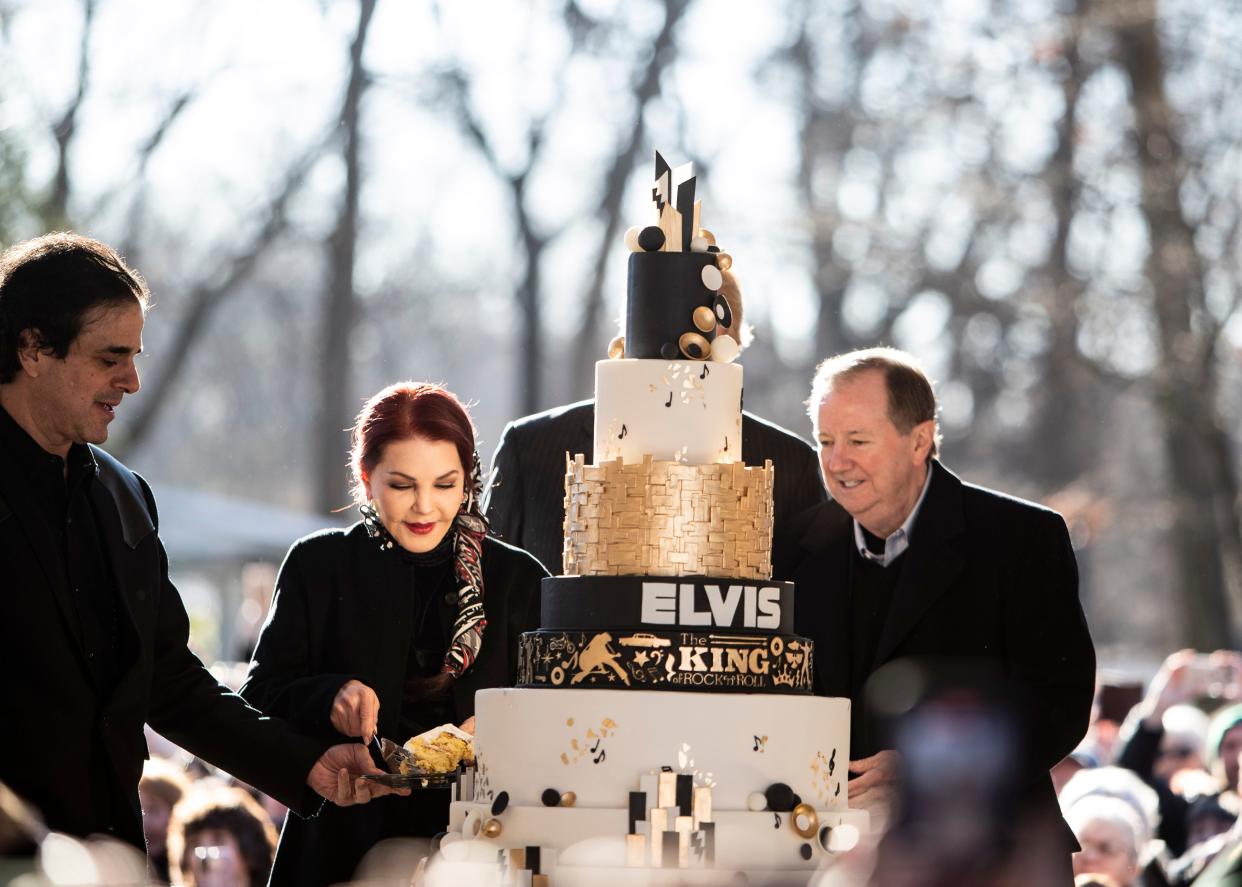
[675, 278]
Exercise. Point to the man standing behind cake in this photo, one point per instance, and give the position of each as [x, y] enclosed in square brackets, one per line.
[908, 562]
[525, 499]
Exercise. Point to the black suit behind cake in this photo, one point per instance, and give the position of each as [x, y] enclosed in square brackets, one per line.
[525, 499]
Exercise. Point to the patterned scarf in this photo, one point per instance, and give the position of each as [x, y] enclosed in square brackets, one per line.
[470, 527]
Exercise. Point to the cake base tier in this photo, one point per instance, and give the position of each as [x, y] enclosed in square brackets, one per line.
[706, 661]
[601, 746]
[589, 847]
[694, 603]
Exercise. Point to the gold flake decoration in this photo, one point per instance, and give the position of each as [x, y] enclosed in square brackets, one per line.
[823, 769]
[658, 518]
[592, 747]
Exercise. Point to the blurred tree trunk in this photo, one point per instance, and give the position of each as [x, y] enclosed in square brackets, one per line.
[55, 211]
[1206, 536]
[340, 308]
[825, 135]
[592, 334]
[1064, 435]
[532, 240]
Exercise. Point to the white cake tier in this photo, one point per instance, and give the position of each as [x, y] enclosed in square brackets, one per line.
[673, 411]
[588, 847]
[599, 744]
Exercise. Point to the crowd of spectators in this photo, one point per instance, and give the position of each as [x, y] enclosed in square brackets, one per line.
[1152, 791]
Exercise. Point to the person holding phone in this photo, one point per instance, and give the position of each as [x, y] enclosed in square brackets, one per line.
[1157, 754]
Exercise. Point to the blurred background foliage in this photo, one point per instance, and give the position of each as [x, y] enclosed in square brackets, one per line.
[1039, 198]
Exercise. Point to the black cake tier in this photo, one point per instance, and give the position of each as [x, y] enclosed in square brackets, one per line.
[664, 290]
[721, 661]
[661, 603]
[666, 633]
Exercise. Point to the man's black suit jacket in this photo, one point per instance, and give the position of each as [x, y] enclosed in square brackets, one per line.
[526, 492]
[77, 753]
[987, 579]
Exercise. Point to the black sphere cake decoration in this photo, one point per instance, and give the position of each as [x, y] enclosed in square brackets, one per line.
[500, 803]
[780, 797]
[651, 238]
[551, 797]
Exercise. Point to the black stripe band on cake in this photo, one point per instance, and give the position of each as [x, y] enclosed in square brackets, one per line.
[666, 660]
[695, 603]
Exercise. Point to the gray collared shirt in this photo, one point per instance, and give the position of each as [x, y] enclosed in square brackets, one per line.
[896, 544]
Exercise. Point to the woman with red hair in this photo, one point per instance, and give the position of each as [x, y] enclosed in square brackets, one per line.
[390, 626]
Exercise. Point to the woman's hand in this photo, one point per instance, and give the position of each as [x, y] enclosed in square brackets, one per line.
[355, 711]
[467, 725]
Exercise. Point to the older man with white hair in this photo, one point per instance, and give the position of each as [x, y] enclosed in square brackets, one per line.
[909, 562]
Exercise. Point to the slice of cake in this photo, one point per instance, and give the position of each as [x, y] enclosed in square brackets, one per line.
[439, 750]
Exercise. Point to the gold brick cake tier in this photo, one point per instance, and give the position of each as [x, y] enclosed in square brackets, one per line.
[668, 519]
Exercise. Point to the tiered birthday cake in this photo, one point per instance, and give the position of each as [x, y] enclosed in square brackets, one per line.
[663, 716]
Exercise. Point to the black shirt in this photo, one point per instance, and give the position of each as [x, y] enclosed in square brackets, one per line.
[62, 501]
[434, 611]
[871, 597]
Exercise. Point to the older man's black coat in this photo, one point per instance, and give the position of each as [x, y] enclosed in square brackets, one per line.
[75, 752]
[526, 491]
[343, 611]
[988, 579]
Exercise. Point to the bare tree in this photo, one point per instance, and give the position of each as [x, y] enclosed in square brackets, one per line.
[205, 298]
[646, 86]
[532, 239]
[340, 308]
[55, 211]
[1203, 482]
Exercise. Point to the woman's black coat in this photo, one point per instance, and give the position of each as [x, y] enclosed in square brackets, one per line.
[343, 610]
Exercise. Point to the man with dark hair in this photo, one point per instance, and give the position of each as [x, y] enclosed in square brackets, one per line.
[908, 562]
[525, 499]
[94, 634]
